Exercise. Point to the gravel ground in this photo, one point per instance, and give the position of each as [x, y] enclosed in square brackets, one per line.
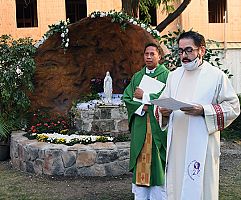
[19, 185]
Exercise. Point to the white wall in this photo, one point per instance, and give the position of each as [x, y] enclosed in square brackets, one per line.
[232, 62]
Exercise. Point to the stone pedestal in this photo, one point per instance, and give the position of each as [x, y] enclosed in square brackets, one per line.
[103, 120]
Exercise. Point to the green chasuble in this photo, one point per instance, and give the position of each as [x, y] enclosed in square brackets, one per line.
[138, 127]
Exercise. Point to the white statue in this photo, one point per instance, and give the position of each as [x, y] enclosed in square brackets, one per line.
[108, 88]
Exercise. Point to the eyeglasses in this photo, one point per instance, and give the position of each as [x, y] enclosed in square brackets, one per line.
[187, 50]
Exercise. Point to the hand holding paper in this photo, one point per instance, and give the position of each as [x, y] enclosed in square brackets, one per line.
[149, 85]
[171, 103]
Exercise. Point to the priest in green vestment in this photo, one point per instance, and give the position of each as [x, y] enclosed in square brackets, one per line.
[148, 142]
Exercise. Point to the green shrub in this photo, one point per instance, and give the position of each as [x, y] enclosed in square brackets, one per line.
[17, 67]
[233, 132]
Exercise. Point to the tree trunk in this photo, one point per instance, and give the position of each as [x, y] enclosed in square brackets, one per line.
[131, 7]
[135, 8]
[172, 16]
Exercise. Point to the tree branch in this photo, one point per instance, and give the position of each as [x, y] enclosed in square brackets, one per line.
[172, 16]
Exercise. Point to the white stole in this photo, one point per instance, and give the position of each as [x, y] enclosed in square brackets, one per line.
[197, 138]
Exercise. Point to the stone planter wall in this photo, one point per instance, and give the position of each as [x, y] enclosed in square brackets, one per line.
[98, 159]
[103, 120]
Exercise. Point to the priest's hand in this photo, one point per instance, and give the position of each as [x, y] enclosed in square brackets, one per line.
[165, 112]
[145, 108]
[138, 93]
[195, 110]
[165, 115]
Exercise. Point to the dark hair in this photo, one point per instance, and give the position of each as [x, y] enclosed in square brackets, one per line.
[197, 38]
[153, 45]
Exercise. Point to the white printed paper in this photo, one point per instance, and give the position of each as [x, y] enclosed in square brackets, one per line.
[149, 85]
[170, 103]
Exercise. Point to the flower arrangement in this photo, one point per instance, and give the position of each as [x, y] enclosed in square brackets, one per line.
[122, 18]
[60, 27]
[55, 128]
[43, 121]
[117, 17]
[72, 139]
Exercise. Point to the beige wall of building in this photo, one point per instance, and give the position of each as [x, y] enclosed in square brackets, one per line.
[195, 16]
[49, 12]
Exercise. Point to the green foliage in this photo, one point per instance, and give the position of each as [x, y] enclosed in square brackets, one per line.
[172, 60]
[233, 132]
[17, 67]
[123, 19]
[62, 28]
[122, 137]
[146, 4]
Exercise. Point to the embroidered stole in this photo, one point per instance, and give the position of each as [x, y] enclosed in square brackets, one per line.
[197, 139]
[143, 167]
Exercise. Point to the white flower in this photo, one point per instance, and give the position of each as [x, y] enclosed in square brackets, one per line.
[62, 35]
[143, 25]
[131, 20]
[156, 32]
[148, 30]
[135, 22]
[102, 14]
[18, 71]
[66, 45]
[92, 16]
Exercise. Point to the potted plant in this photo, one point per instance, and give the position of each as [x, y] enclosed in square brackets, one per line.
[16, 72]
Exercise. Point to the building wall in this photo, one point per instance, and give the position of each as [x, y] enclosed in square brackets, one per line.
[103, 5]
[49, 12]
[196, 16]
[232, 62]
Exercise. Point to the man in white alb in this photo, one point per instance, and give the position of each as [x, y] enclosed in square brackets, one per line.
[193, 146]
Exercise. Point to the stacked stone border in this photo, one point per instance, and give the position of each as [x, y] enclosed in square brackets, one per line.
[41, 158]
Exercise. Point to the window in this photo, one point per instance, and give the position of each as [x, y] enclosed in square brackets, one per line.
[152, 13]
[75, 10]
[26, 13]
[216, 11]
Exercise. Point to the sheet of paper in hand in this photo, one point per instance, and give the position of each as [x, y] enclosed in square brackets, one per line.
[149, 85]
[170, 103]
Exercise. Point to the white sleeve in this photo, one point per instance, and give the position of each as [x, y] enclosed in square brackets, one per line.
[140, 110]
[225, 108]
[164, 94]
[146, 98]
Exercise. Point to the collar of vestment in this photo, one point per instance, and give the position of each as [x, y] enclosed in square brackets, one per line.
[158, 70]
[150, 71]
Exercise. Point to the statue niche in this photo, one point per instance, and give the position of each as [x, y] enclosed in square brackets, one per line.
[96, 45]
